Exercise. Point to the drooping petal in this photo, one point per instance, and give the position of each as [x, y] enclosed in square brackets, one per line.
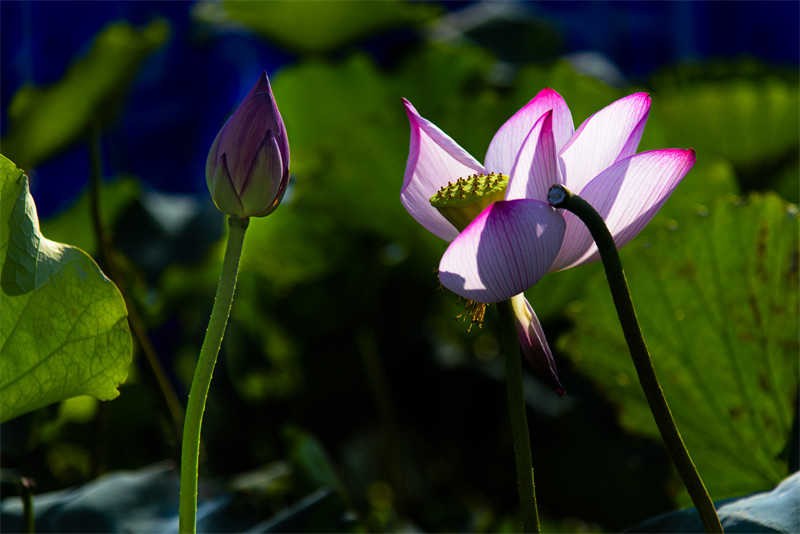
[628, 194]
[534, 345]
[504, 251]
[611, 134]
[536, 168]
[509, 138]
[433, 160]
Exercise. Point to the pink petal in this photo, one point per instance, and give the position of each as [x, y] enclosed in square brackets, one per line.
[611, 134]
[536, 168]
[534, 344]
[433, 160]
[504, 251]
[509, 138]
[628, 194]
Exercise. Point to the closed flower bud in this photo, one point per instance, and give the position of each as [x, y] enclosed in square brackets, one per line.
[247, 169]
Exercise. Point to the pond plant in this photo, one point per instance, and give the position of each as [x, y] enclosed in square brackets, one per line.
[506, 234]
[247, 172]
[341, 271]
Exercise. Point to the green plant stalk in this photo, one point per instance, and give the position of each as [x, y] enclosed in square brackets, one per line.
[28, 518]
[560, 197]
[196, 405]
[519, 421]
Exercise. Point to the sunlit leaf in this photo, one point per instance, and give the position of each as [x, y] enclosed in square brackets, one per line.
[45, 120]
[313, 27]
[750, 118]
[745, 120]
[717, 296]
[63, 327]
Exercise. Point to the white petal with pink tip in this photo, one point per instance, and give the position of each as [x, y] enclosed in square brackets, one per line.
[507, 141]
[504, 251]
[433, 160]
[627, 195]
[536, 168]
[611, 134]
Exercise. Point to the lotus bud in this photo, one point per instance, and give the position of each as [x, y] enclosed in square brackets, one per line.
[247, 169]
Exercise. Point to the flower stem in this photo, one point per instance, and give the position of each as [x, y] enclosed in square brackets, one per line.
[560, 197]
[202, 376]
[27, 485]
[519, 421]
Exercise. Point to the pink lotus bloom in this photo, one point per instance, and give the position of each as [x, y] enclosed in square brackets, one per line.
[247, 169]
[515, 241]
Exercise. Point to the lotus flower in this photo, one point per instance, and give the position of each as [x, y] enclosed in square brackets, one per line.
[247, 169]
[516, 238]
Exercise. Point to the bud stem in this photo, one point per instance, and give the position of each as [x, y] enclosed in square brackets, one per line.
[519, 421]
[560, 197]
[201, 382]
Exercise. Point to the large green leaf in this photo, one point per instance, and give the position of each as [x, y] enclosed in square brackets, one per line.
[742, 111]
[314, 27]
[744, 120]
[63, 327]
[717, 297]
[45, 120]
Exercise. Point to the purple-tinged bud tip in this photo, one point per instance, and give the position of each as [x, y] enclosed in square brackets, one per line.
[247, 169]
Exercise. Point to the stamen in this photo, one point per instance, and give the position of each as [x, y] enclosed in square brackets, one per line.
[476, 312]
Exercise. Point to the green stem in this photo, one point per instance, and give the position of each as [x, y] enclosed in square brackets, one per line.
[519, 421]
[202, 376]
[560, 197]
[28, 518]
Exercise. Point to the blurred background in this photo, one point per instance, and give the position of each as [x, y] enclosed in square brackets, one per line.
[346, 390]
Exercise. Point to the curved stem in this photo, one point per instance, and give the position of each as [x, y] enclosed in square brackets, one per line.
[560, 197]
[519, 421]
[202, 376]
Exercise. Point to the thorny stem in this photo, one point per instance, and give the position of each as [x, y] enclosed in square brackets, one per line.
[519, 422]
[190, 452]
[560, 197]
